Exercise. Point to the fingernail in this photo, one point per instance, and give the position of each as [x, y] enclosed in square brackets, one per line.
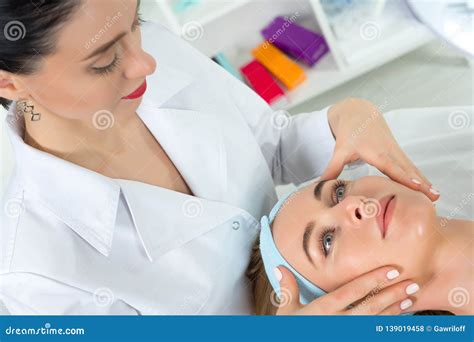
[406, 304]
[412, 288]
[392, 274]
[434, 191]
[416, 181]
[278, 274]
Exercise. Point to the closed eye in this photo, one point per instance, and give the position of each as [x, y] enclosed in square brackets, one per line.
[115, 62]
[109, 68]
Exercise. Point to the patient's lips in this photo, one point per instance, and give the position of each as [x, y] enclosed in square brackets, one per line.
[387, 207]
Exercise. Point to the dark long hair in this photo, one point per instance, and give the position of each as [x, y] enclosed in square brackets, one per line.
[28, 31]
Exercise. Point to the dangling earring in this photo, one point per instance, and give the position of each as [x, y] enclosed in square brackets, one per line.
[29, 109]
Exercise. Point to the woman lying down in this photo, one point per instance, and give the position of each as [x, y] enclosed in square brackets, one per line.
[326, 234]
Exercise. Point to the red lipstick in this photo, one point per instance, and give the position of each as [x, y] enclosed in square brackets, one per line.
[387, 205]
[136, 93]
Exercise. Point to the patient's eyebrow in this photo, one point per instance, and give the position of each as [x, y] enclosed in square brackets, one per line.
[306, 238]
[318, 189]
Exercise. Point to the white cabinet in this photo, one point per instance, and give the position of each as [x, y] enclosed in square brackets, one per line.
[359, 42]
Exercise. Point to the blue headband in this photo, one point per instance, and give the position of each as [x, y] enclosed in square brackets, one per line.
[272, 258]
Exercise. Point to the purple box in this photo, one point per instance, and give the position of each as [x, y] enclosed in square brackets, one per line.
[295, 40]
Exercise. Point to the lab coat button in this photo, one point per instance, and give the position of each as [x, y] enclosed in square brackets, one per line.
[235, 225]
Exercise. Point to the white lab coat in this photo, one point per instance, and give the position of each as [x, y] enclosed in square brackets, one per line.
[76, 242]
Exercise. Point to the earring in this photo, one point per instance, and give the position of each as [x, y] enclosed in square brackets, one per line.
[29, 109]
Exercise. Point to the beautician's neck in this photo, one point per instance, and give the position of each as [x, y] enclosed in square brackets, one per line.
[451, 287]
[80, 141]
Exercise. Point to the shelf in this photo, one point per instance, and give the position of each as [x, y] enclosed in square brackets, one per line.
[233, 27]
[325, 75]
[357, 39]
[209, 10]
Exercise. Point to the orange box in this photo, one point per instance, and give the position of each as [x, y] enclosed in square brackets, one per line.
[288, 72]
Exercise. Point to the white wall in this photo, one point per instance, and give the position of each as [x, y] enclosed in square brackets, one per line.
[435, 75]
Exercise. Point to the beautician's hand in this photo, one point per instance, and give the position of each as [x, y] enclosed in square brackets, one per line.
[373, 293]
[362, 133]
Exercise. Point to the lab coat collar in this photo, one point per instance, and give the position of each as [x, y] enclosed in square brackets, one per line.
[87, 201]
[167, 219]
[191, 138]
[84, 200]
[195, 144]
[163, 84]
[167, 80]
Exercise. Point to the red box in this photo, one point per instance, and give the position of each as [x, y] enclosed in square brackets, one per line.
[262, 82]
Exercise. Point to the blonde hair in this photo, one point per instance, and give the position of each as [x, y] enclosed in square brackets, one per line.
[262, 290]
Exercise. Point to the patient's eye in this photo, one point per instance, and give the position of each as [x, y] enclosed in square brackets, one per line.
[326, 240]
[339, 188]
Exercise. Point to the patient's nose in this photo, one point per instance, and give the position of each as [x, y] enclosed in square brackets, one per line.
[353, 207]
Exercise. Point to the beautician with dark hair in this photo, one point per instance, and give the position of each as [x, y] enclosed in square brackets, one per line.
[142, 168]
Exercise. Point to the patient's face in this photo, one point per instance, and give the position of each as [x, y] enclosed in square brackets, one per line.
[345, 234]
